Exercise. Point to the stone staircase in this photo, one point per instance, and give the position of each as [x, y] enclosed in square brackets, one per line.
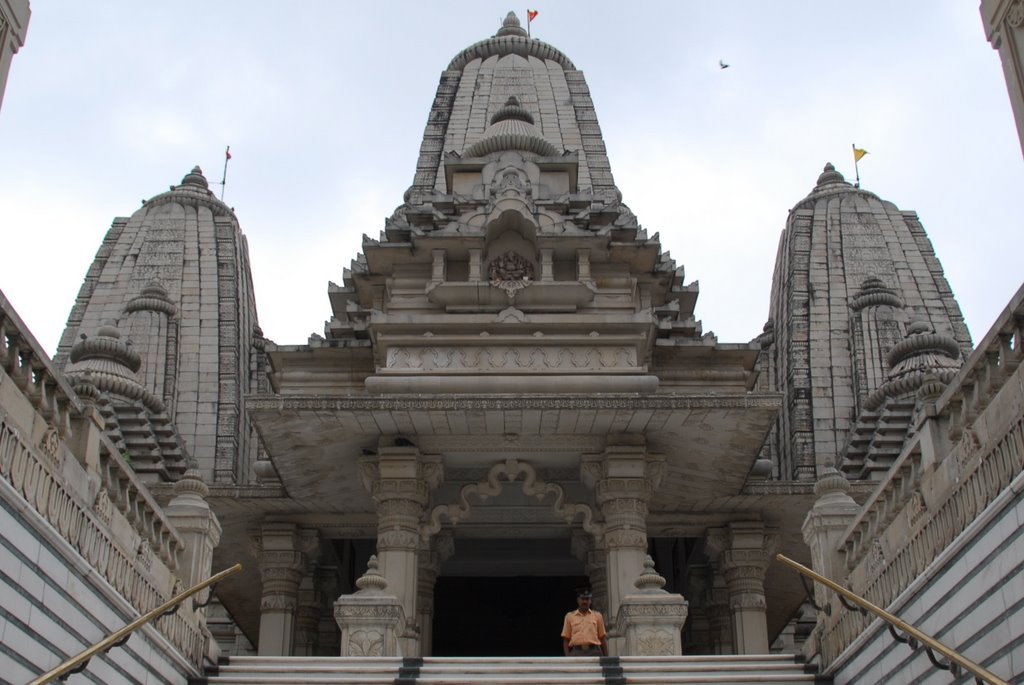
[723, 670]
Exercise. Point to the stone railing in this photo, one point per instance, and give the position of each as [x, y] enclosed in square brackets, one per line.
[57, 460]
[960, 459]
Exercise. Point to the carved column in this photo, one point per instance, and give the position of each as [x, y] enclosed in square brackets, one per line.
[307, 613]
[327, 635]
[279, 550]
[744, 550]
[432, 555]
[400, 483]
[595, 562]
[624, 478]
[719, 616]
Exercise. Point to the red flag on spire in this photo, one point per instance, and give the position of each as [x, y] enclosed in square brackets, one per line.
[530, 15]
[227, 153]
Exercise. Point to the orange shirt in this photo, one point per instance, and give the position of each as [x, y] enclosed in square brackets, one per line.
[583, 630]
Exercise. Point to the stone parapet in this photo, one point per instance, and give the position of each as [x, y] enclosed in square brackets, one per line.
[56, 463]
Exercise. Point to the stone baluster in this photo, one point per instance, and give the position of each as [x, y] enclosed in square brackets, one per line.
[281, 561]
[400, 482]
[744, 550]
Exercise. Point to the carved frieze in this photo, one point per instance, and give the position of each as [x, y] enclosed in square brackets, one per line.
[512, 358]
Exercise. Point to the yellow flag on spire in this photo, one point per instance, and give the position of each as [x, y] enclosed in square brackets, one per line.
[858, 153]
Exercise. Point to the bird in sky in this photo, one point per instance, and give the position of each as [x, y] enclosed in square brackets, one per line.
[722, 65]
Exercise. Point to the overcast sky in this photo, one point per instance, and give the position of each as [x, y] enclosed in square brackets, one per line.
[324, 105]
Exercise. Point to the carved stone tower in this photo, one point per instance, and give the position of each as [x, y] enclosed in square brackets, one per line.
[852, 272]
[174, 278]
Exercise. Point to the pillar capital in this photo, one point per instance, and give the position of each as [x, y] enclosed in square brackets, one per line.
[400, 473]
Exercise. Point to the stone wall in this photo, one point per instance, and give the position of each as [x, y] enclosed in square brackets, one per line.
[937, 541]
[14, 16]
[84, 548]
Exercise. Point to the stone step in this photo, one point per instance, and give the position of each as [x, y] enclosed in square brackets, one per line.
[721, 670]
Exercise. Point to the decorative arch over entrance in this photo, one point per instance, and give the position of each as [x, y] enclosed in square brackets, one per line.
[491, 486]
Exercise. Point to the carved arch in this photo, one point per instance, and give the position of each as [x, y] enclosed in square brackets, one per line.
[511, 469]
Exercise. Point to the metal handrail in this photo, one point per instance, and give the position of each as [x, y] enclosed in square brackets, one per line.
[980, 673]
[78, 662]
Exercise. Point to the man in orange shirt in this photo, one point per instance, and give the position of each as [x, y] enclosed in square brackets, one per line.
[583, 632]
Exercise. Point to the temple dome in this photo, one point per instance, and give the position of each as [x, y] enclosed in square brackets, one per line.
[510, 39]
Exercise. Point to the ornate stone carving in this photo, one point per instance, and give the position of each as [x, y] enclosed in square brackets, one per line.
[511, 469]
[1015, 15]
[366, 643]
[278, 602]
[511, 272]
[655, 642]
[506, 357]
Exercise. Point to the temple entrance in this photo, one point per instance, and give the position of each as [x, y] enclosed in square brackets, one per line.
[502, 616]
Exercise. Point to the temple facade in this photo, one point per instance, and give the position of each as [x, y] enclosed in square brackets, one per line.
[513, 398]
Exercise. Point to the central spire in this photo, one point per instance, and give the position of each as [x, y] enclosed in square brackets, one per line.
[511, 26]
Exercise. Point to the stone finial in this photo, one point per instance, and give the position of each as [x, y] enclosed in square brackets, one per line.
[191, 485]
[109, 363]
[875, 293]
[831, 486]
[923, 358]
[512, 110]
[153, 297]
[649, 582]
[106, 348]
[511, 27]
[195, 178]
[830, 176]
[371, 582]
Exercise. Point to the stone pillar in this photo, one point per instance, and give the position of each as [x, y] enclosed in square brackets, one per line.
[595, 562]
[824, 524]
[432, 555]
[198, 526]
[719, 616]
[279, 550]
[624, 479]
[744, 550]
[200, 532]
[327, 635]
[307, 611]
[370, 619]
[400, 483]
[651, 619]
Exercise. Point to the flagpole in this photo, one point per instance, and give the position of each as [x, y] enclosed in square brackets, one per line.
[856, 165]
[224, 178]
[528, 22]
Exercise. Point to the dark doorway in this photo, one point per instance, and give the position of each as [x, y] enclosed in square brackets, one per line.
[520, 616]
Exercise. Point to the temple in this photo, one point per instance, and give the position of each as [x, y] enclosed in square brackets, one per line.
[513, 397]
